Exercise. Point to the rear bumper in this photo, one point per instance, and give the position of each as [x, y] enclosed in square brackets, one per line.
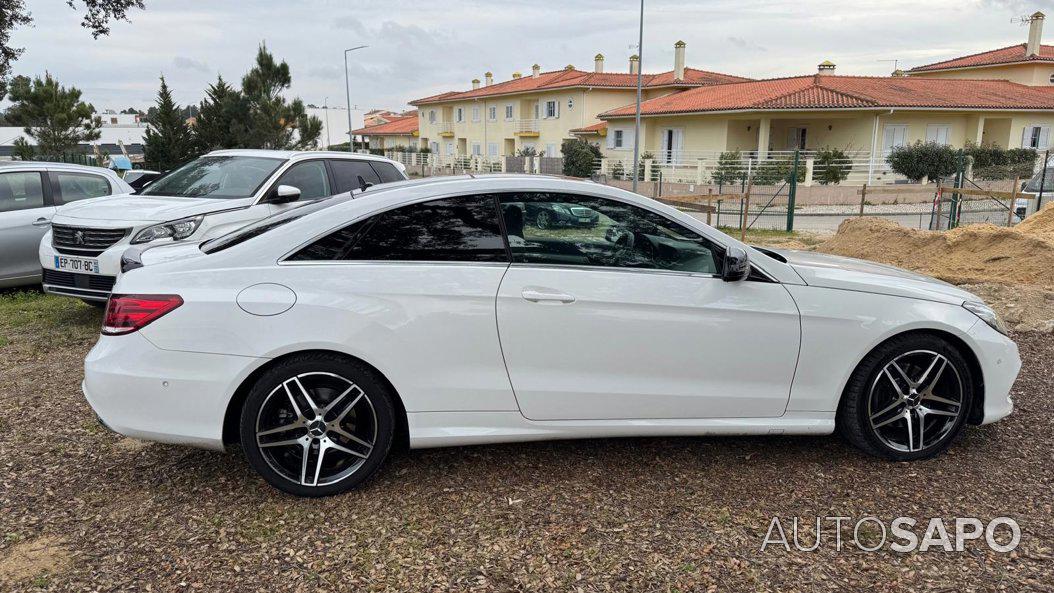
[141, 391]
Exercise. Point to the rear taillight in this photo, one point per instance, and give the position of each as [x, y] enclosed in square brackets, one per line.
[126, 313]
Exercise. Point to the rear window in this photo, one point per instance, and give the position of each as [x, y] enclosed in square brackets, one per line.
[388, 172]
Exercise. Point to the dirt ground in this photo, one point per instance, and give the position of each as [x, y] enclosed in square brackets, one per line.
[82, 509]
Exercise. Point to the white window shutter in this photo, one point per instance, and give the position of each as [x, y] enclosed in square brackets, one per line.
[1025, 136]
[1044, 137]
[556, 111]
[611, 139]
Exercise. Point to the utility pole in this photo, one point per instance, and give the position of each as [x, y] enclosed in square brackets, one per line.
[347, 88]
[640, 73]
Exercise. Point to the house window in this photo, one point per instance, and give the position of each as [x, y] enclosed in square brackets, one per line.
[1037, 137]
[450, 149]
[492, 147]
[434, 147]
[894, 135]
[537, 111]
[552, 109]
[551, 150]
[570, 103]
[938, 133]
[618, 139]
[492, 113]
[508, 112]
[476, 150]
[459, 115]
[432, 116]
[475, 114]
[796, 138]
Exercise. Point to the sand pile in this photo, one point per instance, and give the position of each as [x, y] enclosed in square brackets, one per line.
[969, 254]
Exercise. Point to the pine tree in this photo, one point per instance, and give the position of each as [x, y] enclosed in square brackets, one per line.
[53, 115]
[223, 118]
[274, 123]
[169, 140]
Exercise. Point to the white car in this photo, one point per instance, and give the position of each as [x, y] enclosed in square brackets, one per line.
[207, 197]
[429, 313]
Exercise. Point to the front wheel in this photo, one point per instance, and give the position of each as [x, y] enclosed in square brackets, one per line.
[317, 425]
[908, 399]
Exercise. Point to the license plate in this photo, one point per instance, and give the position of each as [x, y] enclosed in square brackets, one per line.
[79, 265]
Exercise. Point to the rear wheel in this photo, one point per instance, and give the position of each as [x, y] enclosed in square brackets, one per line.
[543, 220]
[908, 399]
[317, 425]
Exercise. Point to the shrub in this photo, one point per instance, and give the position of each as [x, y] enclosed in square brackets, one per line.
[527, 151]
[776, 171]
[995, 163]
[923, 159]
[579, 157]
[831, 165]
[730, 169]
[618, 171]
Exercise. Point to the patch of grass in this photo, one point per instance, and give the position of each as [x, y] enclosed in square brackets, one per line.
[48, 320]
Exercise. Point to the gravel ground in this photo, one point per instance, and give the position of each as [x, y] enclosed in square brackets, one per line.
[82, 509]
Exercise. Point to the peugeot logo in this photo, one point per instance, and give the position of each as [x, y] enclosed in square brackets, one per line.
[78, 237]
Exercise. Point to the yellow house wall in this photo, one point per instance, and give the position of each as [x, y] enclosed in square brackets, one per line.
[1030, 74]
[388, 142]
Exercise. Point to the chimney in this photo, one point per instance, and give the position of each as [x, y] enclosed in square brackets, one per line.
[678, 60]
[1035, 34]
[489, 77]
[634, 64]
[825, 67]
[475, 83]
[516, 74]
[535, 71]
[598, 63]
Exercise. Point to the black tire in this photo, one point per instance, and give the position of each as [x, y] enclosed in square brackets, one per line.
[854, 418]
[543, 220]
[321, 368]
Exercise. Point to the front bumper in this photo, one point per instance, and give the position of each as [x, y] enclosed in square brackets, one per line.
[1000, 364]
[92, 287]
[141, 391]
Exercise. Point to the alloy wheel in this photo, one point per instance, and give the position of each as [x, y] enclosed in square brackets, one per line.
[915, 401]
[543, 220]
[316, 429]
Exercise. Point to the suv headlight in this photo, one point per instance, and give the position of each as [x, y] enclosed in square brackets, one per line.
[987, 315]
[175, 230]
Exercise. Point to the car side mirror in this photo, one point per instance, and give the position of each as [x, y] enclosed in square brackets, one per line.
[363, 184]
[284, 194]
[736, 265]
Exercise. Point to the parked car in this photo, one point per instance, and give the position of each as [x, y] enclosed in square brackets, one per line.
[30, 192]
[140, 178]
[1030, 192]
[428, 312]
[204, 198]
[546, 215]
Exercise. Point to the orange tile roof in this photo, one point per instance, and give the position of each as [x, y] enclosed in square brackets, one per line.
[1003, 55]
[845, 92]
[559, 79]
[591, 129]
[398, 126]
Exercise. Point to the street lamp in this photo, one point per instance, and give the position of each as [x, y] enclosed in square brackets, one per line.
[325, 108]
[347, 88]
[636, 125]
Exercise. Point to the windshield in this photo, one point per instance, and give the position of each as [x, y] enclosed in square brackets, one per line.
[271, 222]
[221, 177]
[1048, 183]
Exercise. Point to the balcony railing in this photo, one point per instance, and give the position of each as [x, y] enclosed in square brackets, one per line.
[526, 127]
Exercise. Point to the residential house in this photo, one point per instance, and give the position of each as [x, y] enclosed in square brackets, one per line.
[396, 132]
[539, 111]
[864, 116]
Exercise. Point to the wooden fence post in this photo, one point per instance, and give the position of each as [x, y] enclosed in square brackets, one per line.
[1013, 201]
[863, 198]
[746, 211]
[709, 205]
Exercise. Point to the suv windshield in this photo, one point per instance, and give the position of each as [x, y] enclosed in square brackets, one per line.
[221, 177]
[1048, 183]
[271, 222]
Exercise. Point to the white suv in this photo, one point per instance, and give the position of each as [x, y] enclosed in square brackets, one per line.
[207, 197]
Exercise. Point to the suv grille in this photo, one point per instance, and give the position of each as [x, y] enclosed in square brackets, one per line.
[73, 240]
[71, 280]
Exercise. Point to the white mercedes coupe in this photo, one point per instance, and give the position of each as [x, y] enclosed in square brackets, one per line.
[453, 312]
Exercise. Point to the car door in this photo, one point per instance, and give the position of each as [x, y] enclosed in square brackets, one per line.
[413, 288]
[310, 177]
[70, 186]
[614, 311]
[25, 215]
[350, 174]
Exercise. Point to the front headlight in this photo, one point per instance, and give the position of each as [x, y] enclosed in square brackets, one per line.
[987, 315]
[175, 230]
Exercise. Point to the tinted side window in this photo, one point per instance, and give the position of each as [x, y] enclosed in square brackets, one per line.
[20, 191]
[310, 178]
[387, 172]
[347, 174]
[452, 229]
[80, 186]
[586, 231]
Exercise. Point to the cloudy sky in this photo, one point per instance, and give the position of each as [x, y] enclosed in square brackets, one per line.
[417, 48]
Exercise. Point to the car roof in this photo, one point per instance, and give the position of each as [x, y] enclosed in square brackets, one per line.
[298, 154]
[37, 165]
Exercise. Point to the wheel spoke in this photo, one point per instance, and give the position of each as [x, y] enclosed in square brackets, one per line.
[901, 372]
[321, 455]
[307, 396]
[942, 400]
[292, 400]
[892, 380]
[344, 449]
[911, 431]
[891, 406]
[890, 420]
[922, 380]
[303, 463]
[283, 443]
[336, 401]
[286, 428]
[352, 438]
[939, 412]
[344, 412]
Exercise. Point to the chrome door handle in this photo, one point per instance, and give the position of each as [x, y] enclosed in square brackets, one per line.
[537, 296]
[41, 222]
